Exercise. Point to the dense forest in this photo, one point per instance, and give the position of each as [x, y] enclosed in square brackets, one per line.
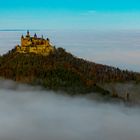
[61, 71]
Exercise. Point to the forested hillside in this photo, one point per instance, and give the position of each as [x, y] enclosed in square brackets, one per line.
[61, 71]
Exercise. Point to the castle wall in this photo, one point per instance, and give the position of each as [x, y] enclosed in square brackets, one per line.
[25, 42]
[37, 50]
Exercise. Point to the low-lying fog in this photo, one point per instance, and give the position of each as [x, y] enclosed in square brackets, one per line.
[30, 113]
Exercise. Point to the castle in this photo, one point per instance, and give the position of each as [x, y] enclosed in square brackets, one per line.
[34, 45]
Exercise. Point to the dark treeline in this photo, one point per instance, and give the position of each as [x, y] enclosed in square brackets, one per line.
[61, 71]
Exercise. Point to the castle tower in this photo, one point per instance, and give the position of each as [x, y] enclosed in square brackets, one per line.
[22, 39]
[47, 42]
[42, 37]
[48, 39]
[35, 36]
[28, 33]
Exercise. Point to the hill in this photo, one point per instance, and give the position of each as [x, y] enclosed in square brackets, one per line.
[61, 71]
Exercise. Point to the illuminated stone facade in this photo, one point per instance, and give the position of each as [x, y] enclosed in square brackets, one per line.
[34, 45]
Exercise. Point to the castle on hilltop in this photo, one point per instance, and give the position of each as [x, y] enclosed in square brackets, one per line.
[34, 45]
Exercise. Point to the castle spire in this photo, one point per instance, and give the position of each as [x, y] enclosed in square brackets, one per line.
[42, 37]
[28, 33]
[48, 39]
[22, 36]
[35, 36]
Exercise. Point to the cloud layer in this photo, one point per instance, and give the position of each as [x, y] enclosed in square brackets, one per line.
[34, 114]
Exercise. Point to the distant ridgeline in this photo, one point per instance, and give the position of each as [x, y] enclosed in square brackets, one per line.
[34, 45]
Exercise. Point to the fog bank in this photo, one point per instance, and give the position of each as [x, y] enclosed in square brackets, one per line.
[30, 113]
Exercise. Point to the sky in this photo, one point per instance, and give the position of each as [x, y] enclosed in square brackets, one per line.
[70, 14]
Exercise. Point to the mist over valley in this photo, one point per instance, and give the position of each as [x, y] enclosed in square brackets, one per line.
[33, 113]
